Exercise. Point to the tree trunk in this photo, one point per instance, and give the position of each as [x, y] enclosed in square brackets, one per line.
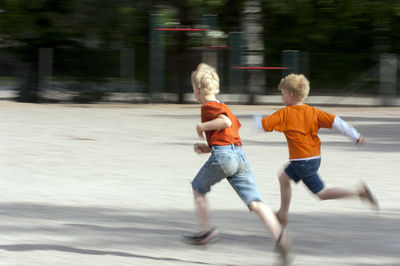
[252, 28]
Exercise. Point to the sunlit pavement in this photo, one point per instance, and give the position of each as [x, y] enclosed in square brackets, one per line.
[109, 185]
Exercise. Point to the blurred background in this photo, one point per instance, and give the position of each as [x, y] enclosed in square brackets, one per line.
[144, 51]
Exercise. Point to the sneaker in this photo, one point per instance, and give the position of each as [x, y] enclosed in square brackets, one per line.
[202, 239]
[365, 194]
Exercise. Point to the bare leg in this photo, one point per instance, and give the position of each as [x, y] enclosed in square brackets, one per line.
[337, 193]
[286, 195]
[268, 217]
[207, 233]
[271, 222]
[202, 210]
[364, 193]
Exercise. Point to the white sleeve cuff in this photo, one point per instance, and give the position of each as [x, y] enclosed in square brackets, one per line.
[257, 122]
[346, 129]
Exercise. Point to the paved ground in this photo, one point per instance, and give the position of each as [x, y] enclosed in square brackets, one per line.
[109, 185]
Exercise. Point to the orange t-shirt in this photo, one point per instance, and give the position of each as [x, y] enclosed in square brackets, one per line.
[300, 124]
[220, 137]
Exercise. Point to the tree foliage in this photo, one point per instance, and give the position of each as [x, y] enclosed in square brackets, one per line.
[344, 38]
[337, 34]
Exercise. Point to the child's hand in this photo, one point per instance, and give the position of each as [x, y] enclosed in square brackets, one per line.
[201, 148]
[200, 130]
[360, 140]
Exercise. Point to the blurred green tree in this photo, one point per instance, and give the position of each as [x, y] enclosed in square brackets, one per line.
[343, 37]
[27, 25]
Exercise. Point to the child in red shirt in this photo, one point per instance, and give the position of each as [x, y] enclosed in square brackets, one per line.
[300, 124]
[227, 161]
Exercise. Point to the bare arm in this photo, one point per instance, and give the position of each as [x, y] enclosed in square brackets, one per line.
[221, 122]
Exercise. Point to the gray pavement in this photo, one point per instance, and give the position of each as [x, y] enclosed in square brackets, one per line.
[109, 185]
[63, 96]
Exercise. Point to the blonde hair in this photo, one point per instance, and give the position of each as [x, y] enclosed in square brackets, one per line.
[205, 79]
[297, 84]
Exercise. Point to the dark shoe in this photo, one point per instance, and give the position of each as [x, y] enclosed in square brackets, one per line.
[284, 249]
[365, 194]
[202, 239]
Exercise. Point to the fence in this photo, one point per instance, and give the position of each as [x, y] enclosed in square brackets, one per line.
[86, 75]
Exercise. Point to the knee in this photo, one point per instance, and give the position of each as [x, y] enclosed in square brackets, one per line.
[321, 195]
[254, 206]
[283, 178]
[198, 196]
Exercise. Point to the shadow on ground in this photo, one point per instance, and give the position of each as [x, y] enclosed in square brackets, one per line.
[102, 231]
[60, 248]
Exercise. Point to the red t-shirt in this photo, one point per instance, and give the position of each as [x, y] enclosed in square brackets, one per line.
[220, 137]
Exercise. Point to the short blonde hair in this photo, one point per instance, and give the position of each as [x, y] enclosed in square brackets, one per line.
[297, 84]
[206, 79]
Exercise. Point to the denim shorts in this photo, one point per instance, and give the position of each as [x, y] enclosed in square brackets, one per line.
[228, 162]
[306, 171]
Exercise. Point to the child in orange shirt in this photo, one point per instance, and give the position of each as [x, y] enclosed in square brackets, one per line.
[300, 124]
[227, 161]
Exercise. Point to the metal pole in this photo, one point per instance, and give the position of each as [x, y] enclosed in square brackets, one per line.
[157, 54]
[45, 67]
[127, 69]
[290, 59]
[388, 78]
[236, 76]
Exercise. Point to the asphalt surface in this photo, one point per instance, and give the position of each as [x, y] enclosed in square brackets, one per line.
[109, 185]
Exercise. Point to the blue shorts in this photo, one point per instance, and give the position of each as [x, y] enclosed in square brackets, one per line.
[306, 171]
[228, 162]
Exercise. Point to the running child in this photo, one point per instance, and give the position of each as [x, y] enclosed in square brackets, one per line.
[300, 124]
[227, 161]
